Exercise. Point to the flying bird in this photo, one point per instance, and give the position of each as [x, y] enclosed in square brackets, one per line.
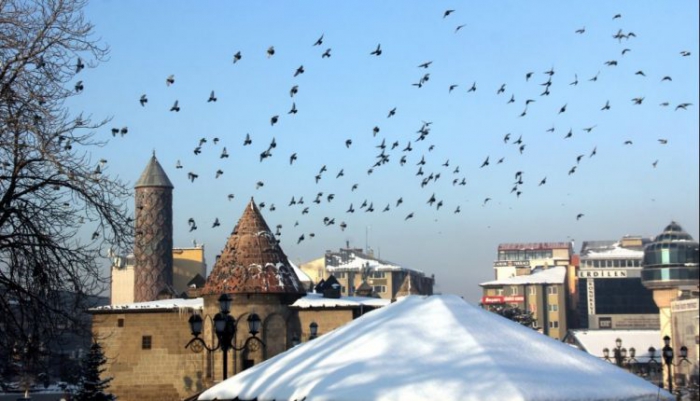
[143, 100]
[392, 112]
[292, 158]
[236, 57]
[578, 216]
[212, 97]
[299, 70]
[562, 109]
[459, 27]
[319, 41]
[176, 107]
[170, 80]
[581, 30]
[486, 162]
[224, 154]
[294, 90]
[327, 53]
[425, 65]
[79, 86]
[377, 51]
[447, 12]
[293, 110]
[274, 119]
[270, 51]
[247, 140]
[79, 65]
[216, 223]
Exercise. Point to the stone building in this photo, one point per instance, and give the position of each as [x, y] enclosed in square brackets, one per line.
[153, 235]
[144, 342]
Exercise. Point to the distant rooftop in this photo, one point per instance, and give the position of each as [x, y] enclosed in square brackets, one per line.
[552, 275]
[355, 259]
[533, 246]
[610, 249]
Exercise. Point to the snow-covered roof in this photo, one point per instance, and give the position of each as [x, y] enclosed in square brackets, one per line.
[303, 277]
[609, 249]
[439, 348]
[175, 303]
[552, 275]
[313, 300]
[593, 342]
[358, 261]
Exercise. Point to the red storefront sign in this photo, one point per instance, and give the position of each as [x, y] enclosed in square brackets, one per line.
[500, 299]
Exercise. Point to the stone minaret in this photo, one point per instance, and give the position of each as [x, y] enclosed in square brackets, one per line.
[153, 247]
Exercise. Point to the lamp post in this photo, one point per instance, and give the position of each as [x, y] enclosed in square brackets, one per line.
[620, 354]
[313, 330]
[225, 329]
[667, 353]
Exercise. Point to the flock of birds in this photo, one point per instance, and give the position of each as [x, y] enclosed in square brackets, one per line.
[401, 151]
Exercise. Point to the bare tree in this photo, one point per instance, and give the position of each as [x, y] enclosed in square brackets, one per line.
[59, 209]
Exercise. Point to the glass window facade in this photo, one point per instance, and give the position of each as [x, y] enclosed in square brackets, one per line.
[671, 253]
[524, 254]
[623, 296]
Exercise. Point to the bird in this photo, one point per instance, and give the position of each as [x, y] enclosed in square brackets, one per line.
[473, 88]
[569, 134]
[562, 109]
[197, 150]
[486, 162]
[231, 196]
[595, 77]
[327, 53]
[683, 106]
[176, 107]
[528, 76]
[581, 30]
[301, 238]
[594, 151]
[224, 154]
[425, 65]
[459, 27]
[392, 112]
[663, 141]
[654, 163]
[178, 164]
[607, 105]
[236, 57]
[544, 181]
[170, 80]
[348, 142]
[294, 90]
[501, 89]
[274, 119]
[512, 99]
[292, 158]
[628, 142]
[611, 63]
[640, 72]
[409, 216]
[143, 100]
[340, 173]
[375, 131]
[578, 158]
[452, 87]
[377, 51]
[578, 216]
[572, 170]
[319, 41]
[550, 72]
[123, 131]
[638, 100]
[399, 201]
[293, 110]
[270, 51]
[259, 184]
[79, 65]
[685, 53]
[350, 209]
[625, 51]
[485, 200]
[216, 223]
[299, 70]
[79, 86]
[666, 78]
[589, 129]
[447, 12]
[192, 176]
[506, 138]
[616, 16]
[212, 97]
[247, 140]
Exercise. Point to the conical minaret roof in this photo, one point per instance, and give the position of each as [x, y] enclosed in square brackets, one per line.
[153, 175]
[252, 261]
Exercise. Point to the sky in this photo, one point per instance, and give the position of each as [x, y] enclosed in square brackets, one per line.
[618, 189]
[457, 358]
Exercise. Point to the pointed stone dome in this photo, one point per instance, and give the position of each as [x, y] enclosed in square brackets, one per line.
[252, 261]
[153, 175]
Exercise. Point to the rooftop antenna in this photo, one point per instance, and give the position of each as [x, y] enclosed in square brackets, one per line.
[367, 238]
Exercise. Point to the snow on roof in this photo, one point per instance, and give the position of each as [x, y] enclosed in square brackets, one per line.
[303, 277]
[593, 342]
[437, 347]
[175, 303]
[552, 275]
[313, 300]
[358, 261]
[609, 249]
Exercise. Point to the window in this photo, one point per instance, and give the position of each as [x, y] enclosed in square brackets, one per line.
[532, 290]
[553, 308]
[499, 291]
[553, 324]
[342, 289]
[120, 322]
[146, 342]
[378, 274]
[379, 288]
[596, 263]
[513, 290]
[551, 290]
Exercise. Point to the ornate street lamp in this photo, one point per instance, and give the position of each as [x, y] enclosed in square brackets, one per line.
[667, 353]
[313, 330]
[620, 354]
[225, 329]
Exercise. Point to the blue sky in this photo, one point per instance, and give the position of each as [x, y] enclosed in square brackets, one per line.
[345, 96]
